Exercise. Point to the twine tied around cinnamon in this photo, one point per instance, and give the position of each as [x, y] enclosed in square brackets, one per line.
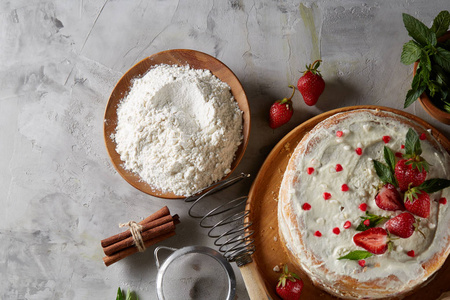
[135, 230]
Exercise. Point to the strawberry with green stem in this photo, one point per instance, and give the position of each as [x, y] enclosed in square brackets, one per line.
[412, 169]
[403, 225]
[388, 197]
[289, 285]
[311, 84]
[417, 199]
[281, 111]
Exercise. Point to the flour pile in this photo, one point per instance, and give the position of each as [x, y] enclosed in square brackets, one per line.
[178, 129]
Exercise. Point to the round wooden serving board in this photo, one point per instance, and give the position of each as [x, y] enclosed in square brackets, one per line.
[181, 57]
[262, 203]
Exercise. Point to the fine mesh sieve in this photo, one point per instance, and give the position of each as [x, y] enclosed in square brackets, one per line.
[194, 272]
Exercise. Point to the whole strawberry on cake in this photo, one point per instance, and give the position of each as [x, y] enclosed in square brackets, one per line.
[363, 207]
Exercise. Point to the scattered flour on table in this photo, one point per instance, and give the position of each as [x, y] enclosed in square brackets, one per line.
[178, 129]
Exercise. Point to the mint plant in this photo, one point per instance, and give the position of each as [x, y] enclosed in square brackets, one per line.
[433, 70]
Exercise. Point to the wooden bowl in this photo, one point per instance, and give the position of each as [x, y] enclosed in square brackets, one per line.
[426, 102]
[196, 60]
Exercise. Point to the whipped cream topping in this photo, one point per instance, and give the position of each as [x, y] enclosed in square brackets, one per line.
[325, 149]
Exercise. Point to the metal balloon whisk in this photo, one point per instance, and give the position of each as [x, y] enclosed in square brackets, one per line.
[226, 222]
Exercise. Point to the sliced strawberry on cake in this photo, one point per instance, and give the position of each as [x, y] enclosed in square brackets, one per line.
[388, 197]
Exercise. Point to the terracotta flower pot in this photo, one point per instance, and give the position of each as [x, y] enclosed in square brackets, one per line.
[426, 102]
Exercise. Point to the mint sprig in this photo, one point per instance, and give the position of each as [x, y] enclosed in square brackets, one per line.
[431, 55]
[413, 150]
[434, 185]
[129, 295]
[373, 219]
[356, 255]
[386, 172]
[428, 186]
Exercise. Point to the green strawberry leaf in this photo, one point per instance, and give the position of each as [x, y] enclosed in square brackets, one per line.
[356, 255]
[384, 173]
[373, 219]
[442, 57]
[433, 185]
[389, 157]
[441, 23]
[418, 31]
[411, 53]
[412, 143]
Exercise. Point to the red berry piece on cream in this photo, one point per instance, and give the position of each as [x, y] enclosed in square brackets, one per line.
[306, 206]
[443, 200]
[423, 136]
[362, 263]
[347, 224]
[318, 233]
[411, 253]
[358, 151]
[326, 196]
[402, 146]
[367, 222]
[339, 133]
[363, 206]
[310, 171]
[344, 188]
[386, 139]
[339, 168]
[398, 154]
[336, 230]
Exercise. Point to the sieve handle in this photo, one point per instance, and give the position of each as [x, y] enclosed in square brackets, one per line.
[155, 253]
[254, 282]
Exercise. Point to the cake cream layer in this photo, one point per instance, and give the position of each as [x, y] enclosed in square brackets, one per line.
[322, 150]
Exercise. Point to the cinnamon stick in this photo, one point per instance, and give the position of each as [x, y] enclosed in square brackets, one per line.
[146, 226]
[146, 235]
[123, 235]
[109, 260]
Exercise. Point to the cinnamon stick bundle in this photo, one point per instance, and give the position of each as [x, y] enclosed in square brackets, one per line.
[154, 229]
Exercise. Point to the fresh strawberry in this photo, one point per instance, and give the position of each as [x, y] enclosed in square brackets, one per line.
[311, 84]
[375, 240]
[407, 175]
[419, 204]
[388, 198]
[412, 169]
[402, 225]
[281, 111]
[417, 199]
[289, 285]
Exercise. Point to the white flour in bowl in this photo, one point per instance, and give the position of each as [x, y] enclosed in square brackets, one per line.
[178, 129]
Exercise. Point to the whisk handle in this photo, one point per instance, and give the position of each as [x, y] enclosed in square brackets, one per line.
[254, 282]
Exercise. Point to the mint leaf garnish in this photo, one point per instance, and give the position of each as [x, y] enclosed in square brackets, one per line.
[373, 219]
[389, 157]
[433, 185]
[412, 143]
[441, 23]
[384, 173]
[356, 255]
